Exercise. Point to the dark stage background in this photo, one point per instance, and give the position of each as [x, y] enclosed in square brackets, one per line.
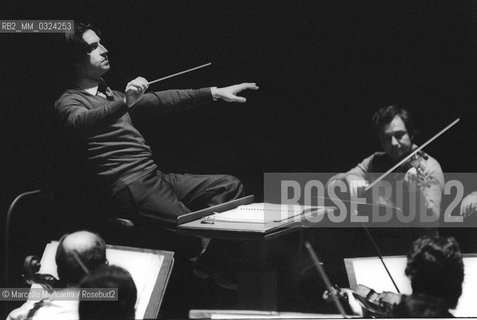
[323, 68]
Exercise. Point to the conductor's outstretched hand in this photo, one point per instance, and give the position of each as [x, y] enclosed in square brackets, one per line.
[229, 94]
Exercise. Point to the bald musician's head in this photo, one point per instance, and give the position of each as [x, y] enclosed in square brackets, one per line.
[90, 249]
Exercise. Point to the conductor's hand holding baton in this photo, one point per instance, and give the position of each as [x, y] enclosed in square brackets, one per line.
[135, 89]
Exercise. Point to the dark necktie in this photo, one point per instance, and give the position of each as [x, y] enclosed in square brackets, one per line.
[103, 88]
[36, 306]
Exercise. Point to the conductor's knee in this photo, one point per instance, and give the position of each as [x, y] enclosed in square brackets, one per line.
[233, 186]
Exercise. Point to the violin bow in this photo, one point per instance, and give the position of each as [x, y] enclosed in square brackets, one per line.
[376, 247]
[179, 73]
[409, 156]
[323, 275]
[378, 251]
[380, 257]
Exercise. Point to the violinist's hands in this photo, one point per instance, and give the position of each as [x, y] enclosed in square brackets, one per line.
[352, 302]
[135, 90]
[328, 295]
[229, 94]
[347, 297]
[356, 185]
[418, 177]
[468, 206]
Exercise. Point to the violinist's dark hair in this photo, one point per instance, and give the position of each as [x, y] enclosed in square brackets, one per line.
[385, 115]
[435, 268]
[109, 277]
[69, 269]
[76, 48]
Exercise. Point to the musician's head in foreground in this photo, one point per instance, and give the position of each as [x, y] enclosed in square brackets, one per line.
[110, 277]
[395, 128]
[85, 54]
[88, 247]
[436, 269]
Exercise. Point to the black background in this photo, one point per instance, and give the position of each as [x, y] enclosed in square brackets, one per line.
[323, 68]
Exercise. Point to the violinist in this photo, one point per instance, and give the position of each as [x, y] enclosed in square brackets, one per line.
[88, 247]
[436, 270]
[395, 129]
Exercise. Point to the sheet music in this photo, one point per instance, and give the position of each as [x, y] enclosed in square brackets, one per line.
[263, 213]
[144, 268]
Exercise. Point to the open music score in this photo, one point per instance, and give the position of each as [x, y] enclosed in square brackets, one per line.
[252, 221]
[263, 213]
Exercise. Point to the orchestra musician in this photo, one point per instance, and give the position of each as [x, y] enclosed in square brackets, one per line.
[395, 129]
[436, 270]
[91, 250]
[123, 308]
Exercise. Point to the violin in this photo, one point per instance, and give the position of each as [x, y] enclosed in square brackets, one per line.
[30, 274]
[416, 161]
[373, 304]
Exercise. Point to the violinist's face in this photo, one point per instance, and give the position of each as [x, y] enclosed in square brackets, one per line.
[395, 139]
[96, 62]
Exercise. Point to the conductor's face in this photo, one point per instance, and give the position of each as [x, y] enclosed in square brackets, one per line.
[395, 139]
[96, 62]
